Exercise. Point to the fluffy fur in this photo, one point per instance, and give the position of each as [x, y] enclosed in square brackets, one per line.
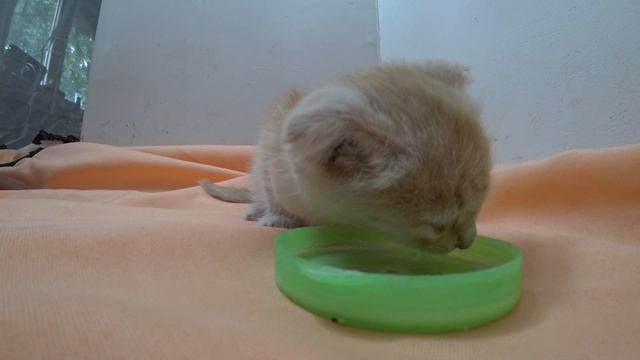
[398, 147]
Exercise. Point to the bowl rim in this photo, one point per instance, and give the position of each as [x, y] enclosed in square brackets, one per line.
[514, 256]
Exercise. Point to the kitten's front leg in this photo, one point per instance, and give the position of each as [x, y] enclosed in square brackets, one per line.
[255, 211]
[281, 220]
[259, 207]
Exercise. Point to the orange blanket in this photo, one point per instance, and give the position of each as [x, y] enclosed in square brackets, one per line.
[119, 256]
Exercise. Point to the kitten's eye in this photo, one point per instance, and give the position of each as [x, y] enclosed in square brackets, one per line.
[459, 198]
[341, 148]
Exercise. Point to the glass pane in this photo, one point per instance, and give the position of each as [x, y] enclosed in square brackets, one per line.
[44, 68]
[75, 75]
[31, 26]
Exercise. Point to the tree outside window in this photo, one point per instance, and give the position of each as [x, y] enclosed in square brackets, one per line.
[58, 35]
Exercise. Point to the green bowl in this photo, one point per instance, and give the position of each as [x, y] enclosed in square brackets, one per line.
[355, 277]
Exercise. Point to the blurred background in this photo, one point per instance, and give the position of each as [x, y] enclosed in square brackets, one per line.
[552, 75]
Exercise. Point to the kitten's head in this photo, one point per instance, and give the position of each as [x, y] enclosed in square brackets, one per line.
[399, 148]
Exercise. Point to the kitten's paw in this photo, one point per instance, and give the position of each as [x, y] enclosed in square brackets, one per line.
[254, 212]
[280, 220]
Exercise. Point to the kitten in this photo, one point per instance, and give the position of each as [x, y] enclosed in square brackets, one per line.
[397, 147]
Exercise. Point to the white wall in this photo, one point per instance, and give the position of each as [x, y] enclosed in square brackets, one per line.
[203, 71]
[553, 75]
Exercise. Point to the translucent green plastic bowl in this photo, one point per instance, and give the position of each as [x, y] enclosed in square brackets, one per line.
[354, 278]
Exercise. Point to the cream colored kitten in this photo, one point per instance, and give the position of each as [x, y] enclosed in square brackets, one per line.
[398, 147]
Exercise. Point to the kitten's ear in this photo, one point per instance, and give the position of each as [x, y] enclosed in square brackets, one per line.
[456, 75]
[334, 132]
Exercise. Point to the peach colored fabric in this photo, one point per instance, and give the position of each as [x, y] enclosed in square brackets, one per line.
[119, 256]
[7, 155]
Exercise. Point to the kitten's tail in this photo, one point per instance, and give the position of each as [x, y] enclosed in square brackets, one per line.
[225, 193]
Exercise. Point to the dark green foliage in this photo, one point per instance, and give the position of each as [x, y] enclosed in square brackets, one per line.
[30, 30]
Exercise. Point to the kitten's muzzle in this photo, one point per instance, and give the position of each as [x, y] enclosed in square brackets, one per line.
[442, 245]
[452, 238]
[466, 238]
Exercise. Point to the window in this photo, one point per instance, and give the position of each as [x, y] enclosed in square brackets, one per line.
[31, 26]
[44, 67]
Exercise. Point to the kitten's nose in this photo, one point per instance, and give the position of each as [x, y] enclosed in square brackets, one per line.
[465, 240]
